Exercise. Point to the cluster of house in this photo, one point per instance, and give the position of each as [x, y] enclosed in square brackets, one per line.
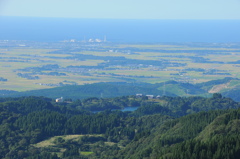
[148, 96]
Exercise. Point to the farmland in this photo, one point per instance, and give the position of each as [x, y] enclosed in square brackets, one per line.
[28, 65]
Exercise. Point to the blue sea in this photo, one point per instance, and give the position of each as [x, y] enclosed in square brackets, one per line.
[119, 30]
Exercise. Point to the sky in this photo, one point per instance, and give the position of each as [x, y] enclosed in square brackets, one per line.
[123, 9]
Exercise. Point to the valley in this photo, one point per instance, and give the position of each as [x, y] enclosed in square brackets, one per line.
[27, 65]
[119, 101]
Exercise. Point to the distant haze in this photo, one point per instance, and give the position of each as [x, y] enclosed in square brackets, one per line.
[147, 31]
[123, 9]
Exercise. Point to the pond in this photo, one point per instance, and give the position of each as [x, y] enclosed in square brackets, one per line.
[129, 109]
[124, 110]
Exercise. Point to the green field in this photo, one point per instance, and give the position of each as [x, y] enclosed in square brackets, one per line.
[216, 62]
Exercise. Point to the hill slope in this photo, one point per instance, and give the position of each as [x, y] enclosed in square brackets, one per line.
[204, 135]
[152, 131]
[228, 87]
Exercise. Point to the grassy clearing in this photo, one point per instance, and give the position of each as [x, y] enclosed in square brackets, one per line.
[45, 143]
[174, 89]
[234, 83]
[52, 144]
[51, 141]
[86, 153]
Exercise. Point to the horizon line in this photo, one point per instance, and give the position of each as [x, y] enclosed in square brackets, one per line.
[7, 16]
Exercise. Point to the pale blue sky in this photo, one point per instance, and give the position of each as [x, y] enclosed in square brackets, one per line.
[123, 9]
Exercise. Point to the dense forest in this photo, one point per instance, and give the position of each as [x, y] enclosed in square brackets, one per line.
[165, 127]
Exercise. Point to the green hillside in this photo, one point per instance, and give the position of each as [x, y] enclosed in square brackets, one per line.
[167, 127]
[103, 90]
[204, 135]
[228, 87]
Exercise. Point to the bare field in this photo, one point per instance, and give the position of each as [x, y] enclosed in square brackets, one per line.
[30, 68]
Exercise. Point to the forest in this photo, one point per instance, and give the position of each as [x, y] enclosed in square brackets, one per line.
[168, 128]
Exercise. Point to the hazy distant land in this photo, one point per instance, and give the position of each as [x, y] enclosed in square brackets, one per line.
[29, 65]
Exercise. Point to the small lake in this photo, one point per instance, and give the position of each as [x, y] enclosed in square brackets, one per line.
[129, 109]
[123, 110]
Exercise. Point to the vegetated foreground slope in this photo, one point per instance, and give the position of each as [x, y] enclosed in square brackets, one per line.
[37, 127]
[213, 134]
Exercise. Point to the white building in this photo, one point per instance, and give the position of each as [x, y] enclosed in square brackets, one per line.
[58, 100]
[150, 96]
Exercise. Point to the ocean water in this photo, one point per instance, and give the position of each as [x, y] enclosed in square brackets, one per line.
[126, 31]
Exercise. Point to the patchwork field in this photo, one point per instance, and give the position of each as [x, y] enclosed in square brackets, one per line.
[28, 67]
